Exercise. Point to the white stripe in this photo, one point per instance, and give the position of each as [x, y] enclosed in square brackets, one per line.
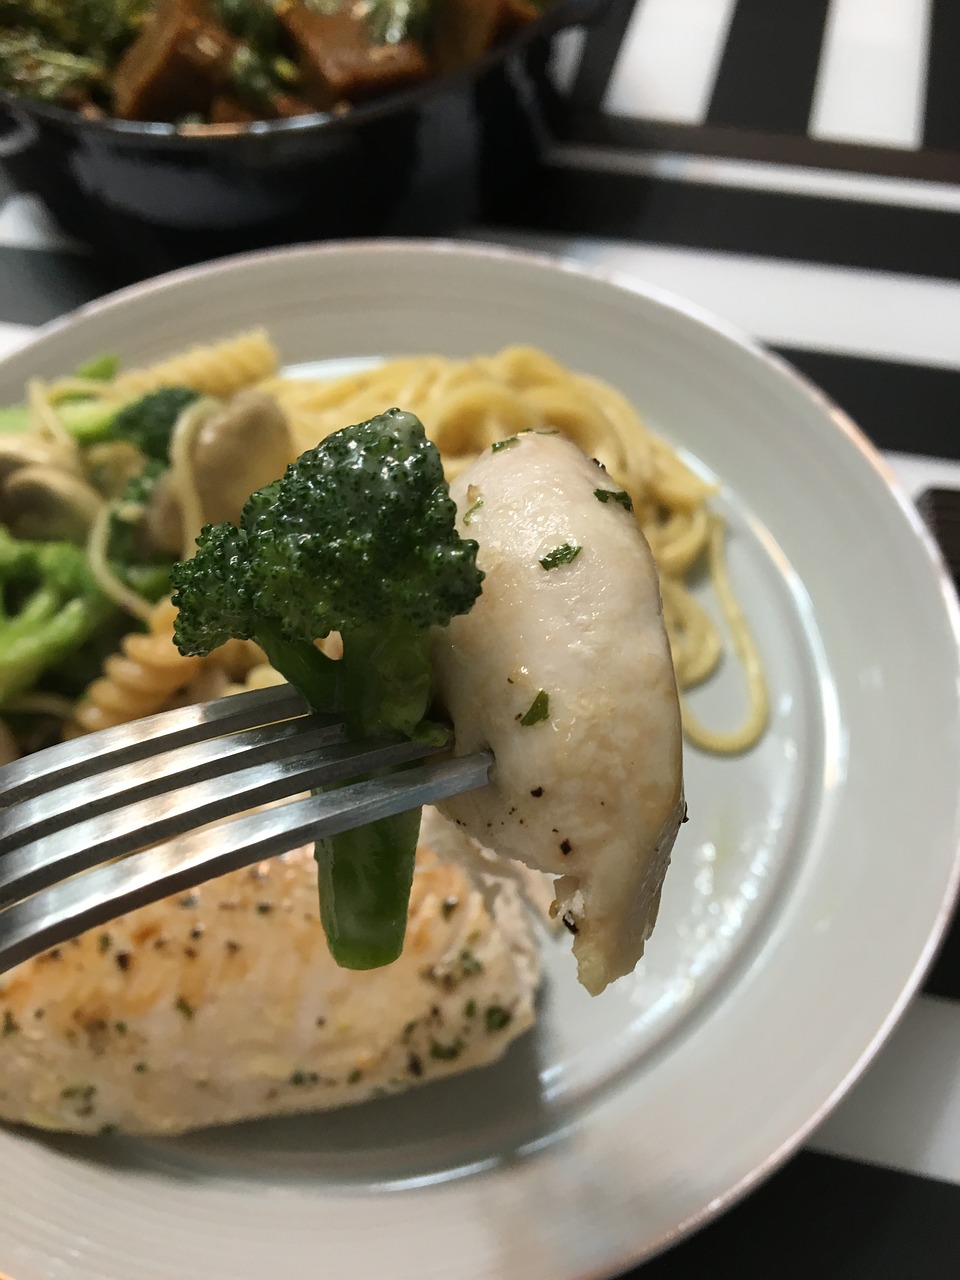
[917, 474]
[668, 60]
[878, 314]
[13, 336]
[760, 175]
[905, 1112]
[872, 75]
[25, 223]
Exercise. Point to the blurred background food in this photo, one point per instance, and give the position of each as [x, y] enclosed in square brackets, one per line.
[236, 61]
[164, 132]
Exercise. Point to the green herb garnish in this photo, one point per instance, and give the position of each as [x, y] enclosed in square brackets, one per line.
[538, 710]
[614, 495]
[560, 555]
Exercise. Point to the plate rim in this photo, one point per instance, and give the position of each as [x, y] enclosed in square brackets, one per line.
[810, 392]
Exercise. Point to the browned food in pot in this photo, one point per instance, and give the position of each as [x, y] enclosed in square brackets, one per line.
[179, 62]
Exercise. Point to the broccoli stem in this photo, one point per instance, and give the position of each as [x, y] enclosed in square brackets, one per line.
[316, 676]
[365, 876]
[42, 634]
[88, 421]
[386, 678]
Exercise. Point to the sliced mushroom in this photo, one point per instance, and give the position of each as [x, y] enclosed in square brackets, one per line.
[239, 449]
[163, 518]
[47, 504]
[23, 450]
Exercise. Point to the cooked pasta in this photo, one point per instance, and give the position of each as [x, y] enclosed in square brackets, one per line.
[466, 405]
[216, 370]
[149, 674]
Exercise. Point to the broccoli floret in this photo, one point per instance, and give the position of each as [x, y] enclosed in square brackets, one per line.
[50, 604]
[129, 548]
[146, 422]
[32, 66]
[357, 537]
[80, 25]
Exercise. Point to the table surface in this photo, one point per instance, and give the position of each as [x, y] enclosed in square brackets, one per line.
[795, 168]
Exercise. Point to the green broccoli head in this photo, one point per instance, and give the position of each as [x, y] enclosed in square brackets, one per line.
[361, 531]
[149, 421]
[213, 592]
[358, 537]
[33, 67]
[80, 25]
[51, 604]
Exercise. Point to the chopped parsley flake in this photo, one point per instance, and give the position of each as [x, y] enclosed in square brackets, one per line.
[445, 1052]
[538, 710]
[183, 1006]
[614, 495]
[560, 555]
[469, 964]
[82, 1091]
[507, 443]
[10, 1024]
[496, 1017]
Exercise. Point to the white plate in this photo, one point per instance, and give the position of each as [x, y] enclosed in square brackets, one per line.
[806, 896]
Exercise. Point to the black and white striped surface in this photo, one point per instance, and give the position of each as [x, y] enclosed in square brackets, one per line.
[794, 167]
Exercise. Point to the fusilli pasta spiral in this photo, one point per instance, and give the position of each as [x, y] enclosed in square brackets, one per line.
[146, 676]
[219, 369]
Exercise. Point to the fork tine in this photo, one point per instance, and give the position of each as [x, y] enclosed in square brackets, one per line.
[82, 757]
[142, 779]
[60, 913]
[41, 863]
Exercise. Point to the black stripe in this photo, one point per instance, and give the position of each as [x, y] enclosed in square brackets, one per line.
[600, 48]
[944, 978]
[942, 121]
[846, 232]
[38, 285]
[769, 65]
[907, 407]
[825, 1218]
[591, 128]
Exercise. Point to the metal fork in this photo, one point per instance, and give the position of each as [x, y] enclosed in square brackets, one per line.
[75, 819]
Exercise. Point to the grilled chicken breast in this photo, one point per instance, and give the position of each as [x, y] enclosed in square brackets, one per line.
[224, 1004]
[563, 668]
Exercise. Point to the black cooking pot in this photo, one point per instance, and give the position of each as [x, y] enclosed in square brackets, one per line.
[421, 162]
